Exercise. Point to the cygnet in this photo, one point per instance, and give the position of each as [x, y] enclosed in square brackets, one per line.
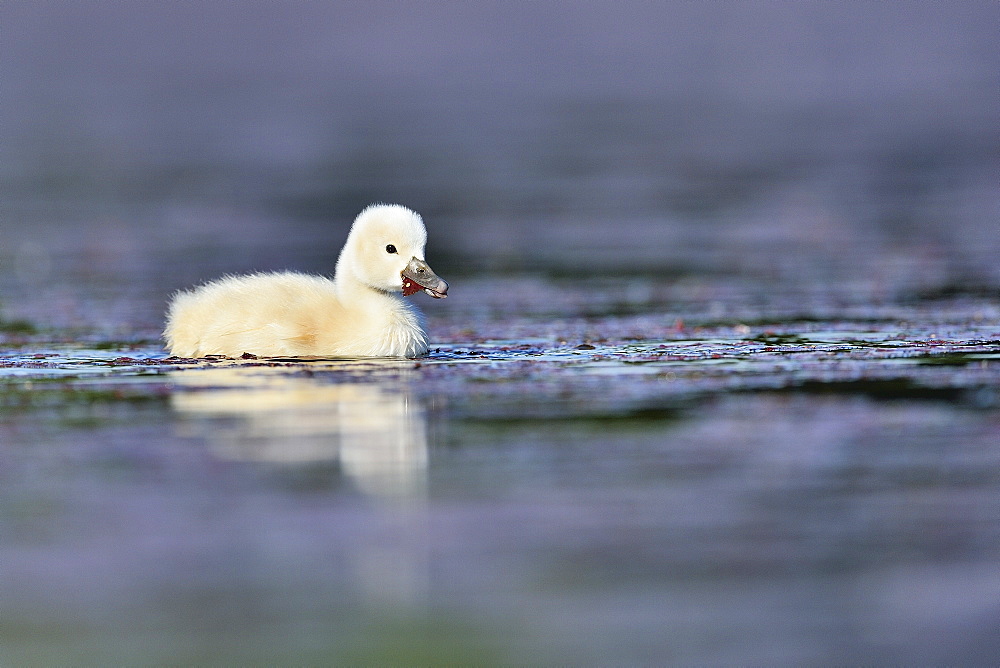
[360, 312]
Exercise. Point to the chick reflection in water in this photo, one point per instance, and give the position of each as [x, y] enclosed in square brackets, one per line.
[377, 432]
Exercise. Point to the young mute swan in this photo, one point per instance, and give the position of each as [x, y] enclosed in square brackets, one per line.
[359, 313]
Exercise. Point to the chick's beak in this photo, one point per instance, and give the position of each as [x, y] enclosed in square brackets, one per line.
[419, 276]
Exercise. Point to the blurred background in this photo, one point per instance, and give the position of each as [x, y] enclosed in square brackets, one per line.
[147, 146]
[718, 370]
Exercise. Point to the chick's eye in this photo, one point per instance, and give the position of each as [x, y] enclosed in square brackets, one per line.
[390, 249]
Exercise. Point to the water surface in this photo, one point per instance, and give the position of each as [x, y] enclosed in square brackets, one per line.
[796, 492]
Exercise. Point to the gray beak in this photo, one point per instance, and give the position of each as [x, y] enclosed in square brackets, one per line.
[419, 276]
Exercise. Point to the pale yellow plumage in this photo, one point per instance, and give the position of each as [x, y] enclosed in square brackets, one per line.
[358, 313]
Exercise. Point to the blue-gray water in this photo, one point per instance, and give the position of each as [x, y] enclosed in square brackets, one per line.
[716, 381]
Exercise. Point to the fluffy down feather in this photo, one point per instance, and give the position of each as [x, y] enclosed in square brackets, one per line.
[358, 313]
